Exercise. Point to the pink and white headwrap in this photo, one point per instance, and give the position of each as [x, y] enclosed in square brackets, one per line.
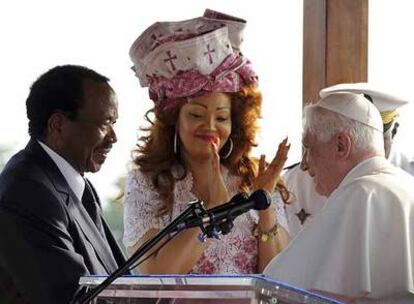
[183, 59]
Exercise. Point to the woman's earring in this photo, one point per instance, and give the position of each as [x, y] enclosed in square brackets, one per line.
[230, 149]
[176, 142]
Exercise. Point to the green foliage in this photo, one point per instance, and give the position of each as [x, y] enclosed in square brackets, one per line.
[113, 212]
[5, 153]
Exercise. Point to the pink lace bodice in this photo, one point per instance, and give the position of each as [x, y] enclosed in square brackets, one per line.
[236, 252]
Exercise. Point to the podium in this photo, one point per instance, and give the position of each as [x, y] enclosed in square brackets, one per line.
[200, 289]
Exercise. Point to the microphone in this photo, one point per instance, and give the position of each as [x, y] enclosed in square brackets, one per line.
[239, 204]
[195, 215]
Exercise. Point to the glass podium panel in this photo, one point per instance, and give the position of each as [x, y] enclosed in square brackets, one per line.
[205, 289]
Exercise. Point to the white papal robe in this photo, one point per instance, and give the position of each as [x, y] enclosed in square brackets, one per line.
[361, 243]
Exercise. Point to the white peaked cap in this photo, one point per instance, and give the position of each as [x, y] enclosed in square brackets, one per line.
[354, 106]
[383, 101]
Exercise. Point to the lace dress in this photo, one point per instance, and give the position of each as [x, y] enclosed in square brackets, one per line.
[236, 252]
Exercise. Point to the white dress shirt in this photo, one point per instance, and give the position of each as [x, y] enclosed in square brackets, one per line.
[73, 177]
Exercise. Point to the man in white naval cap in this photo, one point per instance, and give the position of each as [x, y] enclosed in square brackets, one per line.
[306, 202]
[359, 247]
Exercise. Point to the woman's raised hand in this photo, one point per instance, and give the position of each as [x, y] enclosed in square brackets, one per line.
[269, 174]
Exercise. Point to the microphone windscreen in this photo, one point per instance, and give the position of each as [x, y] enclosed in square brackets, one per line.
[261, 199]
[235, 200]
[239, 197]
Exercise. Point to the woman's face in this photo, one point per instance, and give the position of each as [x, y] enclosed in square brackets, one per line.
[204, 120]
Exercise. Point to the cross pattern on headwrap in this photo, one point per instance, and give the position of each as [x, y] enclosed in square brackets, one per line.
[183, 59]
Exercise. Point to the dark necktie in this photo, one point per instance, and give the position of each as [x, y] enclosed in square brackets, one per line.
[91, 205]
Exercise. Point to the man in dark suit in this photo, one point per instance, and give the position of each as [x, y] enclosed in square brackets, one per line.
[50, 217]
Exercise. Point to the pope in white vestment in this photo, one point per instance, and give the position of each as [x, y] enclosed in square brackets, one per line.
[306, 202]
[359, 248]
[362, 242]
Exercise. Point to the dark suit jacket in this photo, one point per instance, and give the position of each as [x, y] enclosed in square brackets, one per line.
[48, 241]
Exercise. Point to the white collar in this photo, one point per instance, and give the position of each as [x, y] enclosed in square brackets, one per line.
[73, 177]
[366, 166]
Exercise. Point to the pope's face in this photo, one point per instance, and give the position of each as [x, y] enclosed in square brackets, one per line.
[319, 160]
[204, 120]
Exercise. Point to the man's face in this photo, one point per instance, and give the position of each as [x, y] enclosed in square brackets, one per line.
[88, 138]
[319, 160]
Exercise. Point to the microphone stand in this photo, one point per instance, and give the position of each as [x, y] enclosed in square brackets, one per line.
[196, 209]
